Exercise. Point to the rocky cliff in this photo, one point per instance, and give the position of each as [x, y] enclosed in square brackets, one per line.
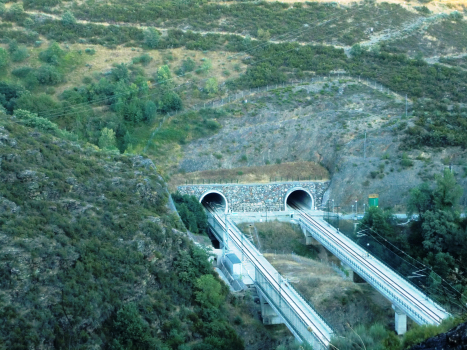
[455, 339]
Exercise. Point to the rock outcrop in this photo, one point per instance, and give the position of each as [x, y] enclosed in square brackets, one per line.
[455, 339]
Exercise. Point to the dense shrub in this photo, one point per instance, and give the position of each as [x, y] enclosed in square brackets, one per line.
[40, 4]
[104, 217]
[191, 212]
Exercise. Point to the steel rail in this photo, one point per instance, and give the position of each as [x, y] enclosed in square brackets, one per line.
[322, 337]
[423, 308]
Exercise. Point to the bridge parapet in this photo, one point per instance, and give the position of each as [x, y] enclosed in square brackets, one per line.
[407, 302]
[259, 197]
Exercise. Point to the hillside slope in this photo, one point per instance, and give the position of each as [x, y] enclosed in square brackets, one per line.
[326, 122]
[91, 256]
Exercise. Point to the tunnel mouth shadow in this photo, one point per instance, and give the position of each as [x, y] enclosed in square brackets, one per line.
[215, 199]
[301, 197]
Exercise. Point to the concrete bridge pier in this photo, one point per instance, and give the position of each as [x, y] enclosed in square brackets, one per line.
[268, 314]
[401, 320]
[309, 240]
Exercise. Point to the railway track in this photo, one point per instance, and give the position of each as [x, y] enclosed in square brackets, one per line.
[433, 313]
[316, 324]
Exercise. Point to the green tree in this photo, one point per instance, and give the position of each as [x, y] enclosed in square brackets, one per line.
[448, 192]
[247, 41]
[205, 67]
[211, 86]
[378, 220]
[15, 12]
[68, 19]
[263, 34]
[52, 54]
[187, 205]
[439, 230]
[421, 199]
[20, 54]
[170, 102]
[208, 292]
[357, 50]
[107, 140]
[131, 331]
[4, 58]
[164, 76]
[48, 75]
[149, 112]
[151, 38]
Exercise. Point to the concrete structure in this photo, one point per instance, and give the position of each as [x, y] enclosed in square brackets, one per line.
[294, 202]
[406, 299]
[259, 197]
[233, 264]
[280, 303]
[401, 320]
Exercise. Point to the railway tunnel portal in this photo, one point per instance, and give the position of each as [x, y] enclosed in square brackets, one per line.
[274, 196]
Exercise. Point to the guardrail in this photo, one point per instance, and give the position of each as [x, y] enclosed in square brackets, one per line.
[274, 295]
[365, 275]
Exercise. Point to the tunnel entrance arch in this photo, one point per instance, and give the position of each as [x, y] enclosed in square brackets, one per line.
[215, 198]
[300, 196]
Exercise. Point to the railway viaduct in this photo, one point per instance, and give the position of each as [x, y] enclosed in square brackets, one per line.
[302, 198]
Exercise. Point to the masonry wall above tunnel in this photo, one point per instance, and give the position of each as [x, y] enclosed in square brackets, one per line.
[258, 197]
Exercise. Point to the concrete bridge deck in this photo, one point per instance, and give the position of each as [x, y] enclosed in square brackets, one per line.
[406, 298]
[303, 321]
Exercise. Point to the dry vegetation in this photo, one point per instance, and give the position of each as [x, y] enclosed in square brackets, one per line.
[439, 6]
[343, 302]
[257, 174]
[105, 58]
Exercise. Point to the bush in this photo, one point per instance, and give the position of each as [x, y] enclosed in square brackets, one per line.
[151, 38]
[4, 58]
[40, 4]
[22, 72]
[20, 54]
[48, 75]
[36, 103]
[90, 51]
[144, 59]
[406, 161]
[32, 120]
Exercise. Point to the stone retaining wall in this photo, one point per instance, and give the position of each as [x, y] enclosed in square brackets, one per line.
[258, 197]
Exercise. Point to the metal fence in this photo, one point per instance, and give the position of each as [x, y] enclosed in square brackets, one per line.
[415, 315]
[244, 95]
[274, 296]
[282, 307]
